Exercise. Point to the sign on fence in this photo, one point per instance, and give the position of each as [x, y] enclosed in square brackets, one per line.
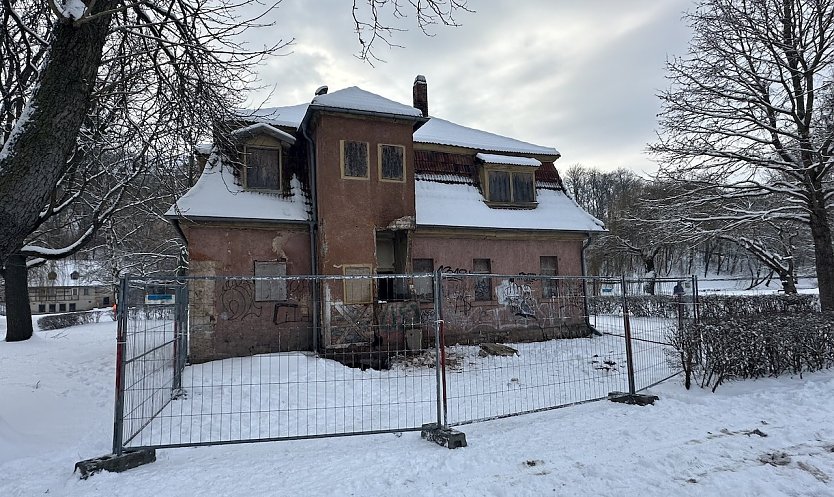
[160, 298]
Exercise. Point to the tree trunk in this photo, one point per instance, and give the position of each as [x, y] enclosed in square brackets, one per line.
[18, 314]
[824, 254]
[36, 153]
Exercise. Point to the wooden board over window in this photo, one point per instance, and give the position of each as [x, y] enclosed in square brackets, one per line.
[392, 163]
[354, 156]
[270, 290]
[263, 168]
[358, 290]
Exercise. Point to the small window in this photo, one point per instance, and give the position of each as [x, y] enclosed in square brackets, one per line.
[423, 286]
[549, 267]
[41, 307]
[51, 307]
[270, 290]
[62, 307]
[86, 291]
[263, 168]
[357, 290]
[72, 307]
[354, 159]
[392, 163]
[483, 285]
[105, 302]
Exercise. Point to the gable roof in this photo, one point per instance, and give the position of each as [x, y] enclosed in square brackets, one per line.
[263, 128]
[357, 99]
[436, 131]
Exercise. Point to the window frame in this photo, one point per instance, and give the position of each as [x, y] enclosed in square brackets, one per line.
[512, 172]
[245, 174]
[367, 176]
[345, 282]
[550, 288]
[379, 156]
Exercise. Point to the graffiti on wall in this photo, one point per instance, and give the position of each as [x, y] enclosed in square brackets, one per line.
[519, 298]
[237, 301]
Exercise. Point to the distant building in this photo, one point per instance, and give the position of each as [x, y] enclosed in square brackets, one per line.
[67, 286]
[356, 184]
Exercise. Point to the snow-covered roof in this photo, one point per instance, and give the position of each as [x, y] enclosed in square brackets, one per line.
[435, 131]
[508, 160]
[441, 132]
[357, 99]
[263, 128]
[289, 117]
[217, 195]
[462, 205]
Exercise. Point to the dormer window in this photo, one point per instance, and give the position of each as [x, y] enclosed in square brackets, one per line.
[509, 181]
[262, 146]
[262, 168]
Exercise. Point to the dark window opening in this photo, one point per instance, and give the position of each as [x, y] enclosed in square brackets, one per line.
[105, 302]
[355, 159]
[391, 162]
[72, 307]
[483, 285]
[391, 254]
[41, 307]
[51, 307]
[62, 307]
[263, 168]
[549, 266]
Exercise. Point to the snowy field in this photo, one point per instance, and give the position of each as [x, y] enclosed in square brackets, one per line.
[56, 407]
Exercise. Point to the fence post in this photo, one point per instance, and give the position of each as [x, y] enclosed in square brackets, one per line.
[695, 311]
[178, 342]
[627, 329]
[440, 353]
[121, 341]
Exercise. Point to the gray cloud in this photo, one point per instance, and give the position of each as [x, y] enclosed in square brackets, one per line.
[580, 76]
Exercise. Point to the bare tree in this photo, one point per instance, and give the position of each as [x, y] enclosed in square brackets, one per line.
[746, 117]
[96, 93]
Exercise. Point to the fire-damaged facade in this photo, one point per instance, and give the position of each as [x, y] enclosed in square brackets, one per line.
[351, 185]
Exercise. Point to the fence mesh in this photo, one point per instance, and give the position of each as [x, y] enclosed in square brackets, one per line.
[239, 359]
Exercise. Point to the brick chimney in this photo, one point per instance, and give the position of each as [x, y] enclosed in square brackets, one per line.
[421, 94]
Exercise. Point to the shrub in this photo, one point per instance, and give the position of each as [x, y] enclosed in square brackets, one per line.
[755, 347]
[58, 321]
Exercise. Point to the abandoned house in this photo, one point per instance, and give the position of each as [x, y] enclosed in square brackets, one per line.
[355, 184]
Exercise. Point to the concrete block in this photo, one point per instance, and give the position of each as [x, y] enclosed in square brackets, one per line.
[115, 463]
[445, 437]
[632, 398]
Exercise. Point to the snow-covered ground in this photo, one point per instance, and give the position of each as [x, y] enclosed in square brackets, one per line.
[56, 407]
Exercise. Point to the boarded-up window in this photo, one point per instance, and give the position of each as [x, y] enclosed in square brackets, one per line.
[273, 289]
[263, 168]
[483, 285]
[354, 159]
[523, 190]
[357, 290]
[391, 162]
[549, 267]
[499, 186]
[423, 286]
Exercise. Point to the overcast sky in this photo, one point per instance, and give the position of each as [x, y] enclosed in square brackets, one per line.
[581, 76]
